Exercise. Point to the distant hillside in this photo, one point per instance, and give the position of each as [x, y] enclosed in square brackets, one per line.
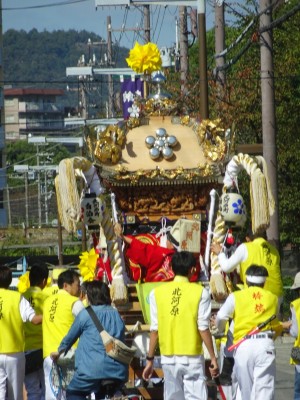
[40, 58]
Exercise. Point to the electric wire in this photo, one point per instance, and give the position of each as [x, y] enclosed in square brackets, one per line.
[61, 3]
[161, 24]
[157, 15]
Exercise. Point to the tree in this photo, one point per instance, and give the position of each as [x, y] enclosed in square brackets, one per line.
[22, 152]
[240, 102]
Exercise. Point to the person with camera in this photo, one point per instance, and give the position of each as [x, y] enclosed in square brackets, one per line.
[95, 371]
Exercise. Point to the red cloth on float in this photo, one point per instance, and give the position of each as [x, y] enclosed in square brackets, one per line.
[149, 262]
[103, 268]
[154, 261]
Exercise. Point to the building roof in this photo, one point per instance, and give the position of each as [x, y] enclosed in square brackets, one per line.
[33, 91]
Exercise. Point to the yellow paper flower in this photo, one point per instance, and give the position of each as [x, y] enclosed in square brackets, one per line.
[144, 58]
[23, 283]
[87, 265]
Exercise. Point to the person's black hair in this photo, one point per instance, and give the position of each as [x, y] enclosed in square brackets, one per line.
[256, 270]
[5, 277]
[37, 274]
[68, 276]
[258, 234]
[182, 262]
[98, 293]
[83, 287]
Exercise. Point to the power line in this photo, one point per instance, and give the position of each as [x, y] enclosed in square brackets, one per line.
[62, 3]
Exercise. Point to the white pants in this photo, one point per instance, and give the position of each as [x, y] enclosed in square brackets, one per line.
[231, 392]
[254, 368]
[184, 381]
[51, 392]
[12, 372]
[35, 385]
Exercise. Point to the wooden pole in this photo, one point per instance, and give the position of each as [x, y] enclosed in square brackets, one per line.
[60, 242]
[220, 41]
[268, 112]
[147, 23]
[26, 201]
[8, 206]
[111, 112]
[204, 112]
[184, 65]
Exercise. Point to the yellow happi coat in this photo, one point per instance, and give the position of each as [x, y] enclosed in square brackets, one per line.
[253, 306]
[261, 252]
[11, 323]
[177, 311]
[57, 320]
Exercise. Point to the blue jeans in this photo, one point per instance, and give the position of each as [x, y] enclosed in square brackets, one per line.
[297, 385]
[106, 387]
[70, 395]
[78, 395]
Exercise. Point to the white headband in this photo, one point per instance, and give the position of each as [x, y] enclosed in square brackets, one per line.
[256, 279]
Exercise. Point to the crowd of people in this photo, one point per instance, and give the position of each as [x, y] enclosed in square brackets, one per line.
[40, 325]
[44, 324]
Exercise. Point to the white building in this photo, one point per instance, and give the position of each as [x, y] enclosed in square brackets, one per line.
[32, 110]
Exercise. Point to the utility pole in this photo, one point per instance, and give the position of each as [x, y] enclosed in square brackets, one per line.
[147, 23]
[60, 243]
[109, 77]
[8, 206]
[184, 65]
[268, 111]
[26, 201]
[204, 112]
[46, 196]
[39, 186]
[82, 98]
[220, 40]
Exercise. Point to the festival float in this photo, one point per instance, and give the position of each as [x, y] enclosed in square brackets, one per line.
[148, 171]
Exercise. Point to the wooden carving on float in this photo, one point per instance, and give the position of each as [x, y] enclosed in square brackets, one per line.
[163, 200]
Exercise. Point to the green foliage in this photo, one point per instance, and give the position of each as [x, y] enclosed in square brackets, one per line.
[40, 58]
[20, 152]
[11, 244]
[239, 101]
[287, 54]
[288, 296]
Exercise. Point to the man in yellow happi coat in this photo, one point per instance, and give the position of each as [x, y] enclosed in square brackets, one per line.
[295, 332]
[14, 311]
[59, 313]
[180, 312]
[255, 250]
[34, 373]
[254, 358]
[53, 288]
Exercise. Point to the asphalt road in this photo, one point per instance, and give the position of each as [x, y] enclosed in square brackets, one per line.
[284, 389]
[284, 371]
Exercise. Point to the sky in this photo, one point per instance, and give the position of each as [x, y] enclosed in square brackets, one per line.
[53, 15]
